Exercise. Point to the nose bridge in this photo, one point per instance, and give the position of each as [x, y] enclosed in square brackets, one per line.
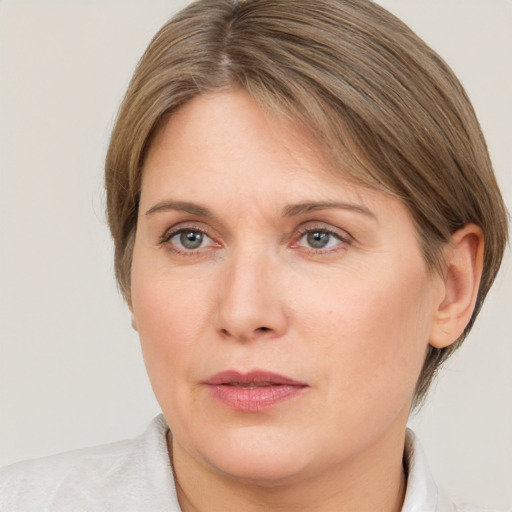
[250, 303]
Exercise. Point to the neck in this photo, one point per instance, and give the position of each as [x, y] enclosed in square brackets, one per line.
[375, 481]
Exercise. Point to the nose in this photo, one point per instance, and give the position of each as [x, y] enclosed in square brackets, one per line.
[251, 299]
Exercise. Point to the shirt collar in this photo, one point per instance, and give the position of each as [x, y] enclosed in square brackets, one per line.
[422, 494]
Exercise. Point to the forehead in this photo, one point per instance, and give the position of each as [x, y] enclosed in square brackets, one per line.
[212, 123]
[228, 135]
[223, 150]
[220, 154]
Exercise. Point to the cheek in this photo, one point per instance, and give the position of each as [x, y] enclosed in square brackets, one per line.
[170, 314]
[164, 302]
[372, 331]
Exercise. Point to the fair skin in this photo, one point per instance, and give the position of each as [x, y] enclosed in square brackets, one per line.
[251, 255]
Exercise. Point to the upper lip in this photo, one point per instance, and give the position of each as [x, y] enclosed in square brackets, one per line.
[256, 377]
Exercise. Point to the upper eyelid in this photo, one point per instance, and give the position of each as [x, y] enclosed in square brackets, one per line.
[192, 225]
[173, 232]
[297, 232]
[324, 226]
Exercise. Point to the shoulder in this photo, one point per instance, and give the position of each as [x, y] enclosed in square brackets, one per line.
[48, 481]
[117, 476]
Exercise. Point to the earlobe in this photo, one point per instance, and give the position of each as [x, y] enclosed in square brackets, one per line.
[134, 323]
[133, 319]
[463, 271]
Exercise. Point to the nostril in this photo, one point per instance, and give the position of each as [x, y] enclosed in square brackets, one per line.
[263, 329]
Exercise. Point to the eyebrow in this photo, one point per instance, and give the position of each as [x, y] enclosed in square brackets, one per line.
[298, 209]
[181, 206]
[289, 211]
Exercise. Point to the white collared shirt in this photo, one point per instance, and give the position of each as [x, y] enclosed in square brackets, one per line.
[136, 476]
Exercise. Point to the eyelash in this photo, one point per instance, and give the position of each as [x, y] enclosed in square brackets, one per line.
[342, 236]
[166, 238]
[344, 239]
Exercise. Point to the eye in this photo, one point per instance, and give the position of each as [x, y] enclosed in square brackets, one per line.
[188, 239]
[322, 239]
[319, 239]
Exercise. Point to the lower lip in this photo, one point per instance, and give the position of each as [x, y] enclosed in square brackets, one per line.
[254, 399]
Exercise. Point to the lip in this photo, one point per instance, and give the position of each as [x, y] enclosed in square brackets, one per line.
[254, 391]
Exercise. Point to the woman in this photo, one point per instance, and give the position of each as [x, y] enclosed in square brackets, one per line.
[306, 224]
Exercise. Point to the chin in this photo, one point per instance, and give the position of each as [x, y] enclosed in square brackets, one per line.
[256, 455]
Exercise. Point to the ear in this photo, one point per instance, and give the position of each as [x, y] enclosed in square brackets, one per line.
[134, 323]
[134, 320]
[463, 263]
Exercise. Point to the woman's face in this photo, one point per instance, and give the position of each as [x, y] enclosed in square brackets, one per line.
[284, 314]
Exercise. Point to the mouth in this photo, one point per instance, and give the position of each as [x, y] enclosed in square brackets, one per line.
[255, 391]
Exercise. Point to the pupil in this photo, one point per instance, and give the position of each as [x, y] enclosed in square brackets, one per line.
[318, 240]
[191, 239]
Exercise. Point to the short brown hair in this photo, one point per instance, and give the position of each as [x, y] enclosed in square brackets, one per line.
[369, 90]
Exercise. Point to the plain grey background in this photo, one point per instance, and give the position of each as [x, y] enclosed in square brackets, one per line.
[71, 373]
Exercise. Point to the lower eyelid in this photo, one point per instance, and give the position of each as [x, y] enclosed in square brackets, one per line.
[343, 236]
